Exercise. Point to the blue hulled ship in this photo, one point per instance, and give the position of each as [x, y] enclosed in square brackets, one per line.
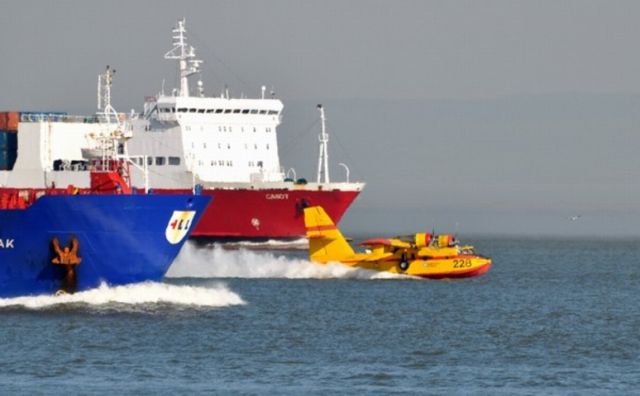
[100, 229]
[115, 239]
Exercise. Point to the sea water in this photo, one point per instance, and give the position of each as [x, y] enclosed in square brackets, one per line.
[550, 317]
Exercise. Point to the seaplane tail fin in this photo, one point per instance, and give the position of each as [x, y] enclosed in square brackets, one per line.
[326, 242]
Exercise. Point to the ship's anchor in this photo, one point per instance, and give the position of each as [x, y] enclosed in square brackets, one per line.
[67, 257]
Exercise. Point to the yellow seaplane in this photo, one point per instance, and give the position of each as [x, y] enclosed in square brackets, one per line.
[422, 254]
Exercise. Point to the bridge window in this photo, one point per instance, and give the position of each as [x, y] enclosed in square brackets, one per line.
[263, 112]
[272, 112]
[160, 160]
[254, 111]
[182, 110]
[236, 111]
[192, 110]
[149, 160]
[226, 111]
[218, 111]
[200, 110]
[174, 160]
[210, 111]
[245, 111]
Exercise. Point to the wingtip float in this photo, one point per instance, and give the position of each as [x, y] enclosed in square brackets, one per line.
[422, 254]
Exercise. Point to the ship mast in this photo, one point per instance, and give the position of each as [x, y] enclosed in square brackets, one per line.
[323, 156]
[105, 80]
[186, 56]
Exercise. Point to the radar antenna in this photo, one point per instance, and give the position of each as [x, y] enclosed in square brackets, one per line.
[186, 55]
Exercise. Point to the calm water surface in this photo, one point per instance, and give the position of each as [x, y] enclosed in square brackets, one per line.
[551, 317]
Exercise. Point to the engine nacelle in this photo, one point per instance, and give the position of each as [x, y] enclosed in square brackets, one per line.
[446, 240]
[423, 239]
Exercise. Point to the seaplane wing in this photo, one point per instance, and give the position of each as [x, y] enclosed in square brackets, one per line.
[376, 242]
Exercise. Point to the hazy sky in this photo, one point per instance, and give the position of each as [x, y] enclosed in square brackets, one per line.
[500, 116]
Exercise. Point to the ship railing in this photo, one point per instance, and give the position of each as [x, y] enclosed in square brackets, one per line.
[76, 119]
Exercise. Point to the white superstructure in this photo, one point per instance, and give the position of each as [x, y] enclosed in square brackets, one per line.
[183, 138]
[215, 139]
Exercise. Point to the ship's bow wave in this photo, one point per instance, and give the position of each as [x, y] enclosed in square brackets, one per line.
[141, 296]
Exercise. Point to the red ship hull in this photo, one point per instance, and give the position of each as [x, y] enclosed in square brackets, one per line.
[264, 213]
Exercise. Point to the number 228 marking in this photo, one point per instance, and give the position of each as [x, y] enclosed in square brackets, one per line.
[461, 263]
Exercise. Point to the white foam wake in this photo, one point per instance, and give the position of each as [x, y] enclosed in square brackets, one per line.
[136, 294]
[217, 262]
[296, 244]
